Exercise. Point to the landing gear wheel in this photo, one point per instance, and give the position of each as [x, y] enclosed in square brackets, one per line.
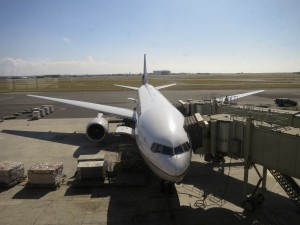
[248, 205]
[166, 187]
[260, 198]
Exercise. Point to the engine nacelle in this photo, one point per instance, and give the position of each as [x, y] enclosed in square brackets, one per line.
[97, 128]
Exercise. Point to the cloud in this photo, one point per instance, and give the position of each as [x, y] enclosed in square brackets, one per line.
[66, 40]
[20, 67]
[90, 65]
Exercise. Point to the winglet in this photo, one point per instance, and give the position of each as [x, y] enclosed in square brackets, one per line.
[145, 76]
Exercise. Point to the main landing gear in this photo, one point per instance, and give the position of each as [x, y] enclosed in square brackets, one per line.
[166, 187]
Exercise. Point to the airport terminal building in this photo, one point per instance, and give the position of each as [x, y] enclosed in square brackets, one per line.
[161, 72]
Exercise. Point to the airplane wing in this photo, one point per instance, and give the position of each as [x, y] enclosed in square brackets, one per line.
[222, 99]
[126, 113]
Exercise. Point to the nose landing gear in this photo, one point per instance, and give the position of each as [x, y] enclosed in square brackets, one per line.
[253, 201]
[166, 187]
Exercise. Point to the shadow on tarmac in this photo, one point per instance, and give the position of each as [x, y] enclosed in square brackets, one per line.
[32, 193]
[85, 146]
[57, 137]
[206, 192]
[205, 196]
[214, 188]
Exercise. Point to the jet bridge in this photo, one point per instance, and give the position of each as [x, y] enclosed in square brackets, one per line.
[267, 141]
[209, 106]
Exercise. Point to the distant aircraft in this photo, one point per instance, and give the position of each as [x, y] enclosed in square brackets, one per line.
[158, 128]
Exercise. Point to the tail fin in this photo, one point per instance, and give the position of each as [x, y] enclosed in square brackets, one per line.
[145, 76]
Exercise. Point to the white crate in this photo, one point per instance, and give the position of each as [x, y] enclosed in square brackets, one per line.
[45, 173]
[11, 173]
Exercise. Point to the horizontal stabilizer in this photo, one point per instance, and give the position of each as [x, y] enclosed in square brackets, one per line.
[164, 86]
[128, 87]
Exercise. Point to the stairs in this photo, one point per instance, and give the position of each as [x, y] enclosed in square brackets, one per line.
[288, 184]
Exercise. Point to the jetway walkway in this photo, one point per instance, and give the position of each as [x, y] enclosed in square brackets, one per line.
[274, 146]
[208, 106]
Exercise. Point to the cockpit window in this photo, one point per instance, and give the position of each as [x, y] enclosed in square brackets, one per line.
[186, 147]
[178, 150]
[157, 148]
[188, 144]
[153, 146]
[167, 150]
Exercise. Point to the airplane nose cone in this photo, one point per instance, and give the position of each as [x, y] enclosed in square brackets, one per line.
[176, 167]
[182, 163]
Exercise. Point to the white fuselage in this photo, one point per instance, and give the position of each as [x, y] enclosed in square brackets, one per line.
[160, 135]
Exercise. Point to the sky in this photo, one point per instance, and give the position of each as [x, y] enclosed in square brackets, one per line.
[107, 37]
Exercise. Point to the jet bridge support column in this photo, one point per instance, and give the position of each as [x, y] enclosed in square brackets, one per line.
[246, 153]
[264, 181]
[214, 108]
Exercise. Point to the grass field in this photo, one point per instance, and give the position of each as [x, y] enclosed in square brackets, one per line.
[184, 82]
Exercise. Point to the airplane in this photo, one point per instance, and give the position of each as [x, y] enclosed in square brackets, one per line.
[158, 128]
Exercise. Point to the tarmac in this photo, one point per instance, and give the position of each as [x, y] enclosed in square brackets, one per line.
[211, 193]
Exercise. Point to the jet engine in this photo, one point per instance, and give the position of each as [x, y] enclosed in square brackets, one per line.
[97, 128]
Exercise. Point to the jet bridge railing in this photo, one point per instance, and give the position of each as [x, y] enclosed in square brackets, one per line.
[274, 120]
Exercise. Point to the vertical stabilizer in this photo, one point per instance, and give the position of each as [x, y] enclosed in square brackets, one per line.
[145, 76]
